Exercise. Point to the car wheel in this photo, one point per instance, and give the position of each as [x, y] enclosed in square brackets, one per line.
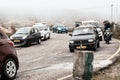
[98, 45]
[49, 36]
[95, 48]
[45, 37]
[39, 41]
[9, 69]
[71, 50]
[57, 31]
[28, 43]
[100, 38]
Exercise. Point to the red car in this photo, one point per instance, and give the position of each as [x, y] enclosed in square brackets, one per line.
[9, 63]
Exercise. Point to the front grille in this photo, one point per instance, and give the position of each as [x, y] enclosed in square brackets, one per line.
[17, 37]
[81, 41]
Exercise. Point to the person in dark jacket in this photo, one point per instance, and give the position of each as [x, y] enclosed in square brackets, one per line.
[107, 26]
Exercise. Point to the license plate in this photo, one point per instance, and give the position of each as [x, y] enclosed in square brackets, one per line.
[81, 47]
[16, 40]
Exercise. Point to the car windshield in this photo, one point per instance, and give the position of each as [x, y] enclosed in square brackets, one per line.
[41, 28]
[61, 27]
[82, 31]
[90, 23]
[23, 31]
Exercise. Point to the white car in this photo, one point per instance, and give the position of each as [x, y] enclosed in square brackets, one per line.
[100, 32]
[44, 30]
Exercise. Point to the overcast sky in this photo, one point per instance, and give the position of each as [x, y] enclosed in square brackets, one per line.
[99, 8]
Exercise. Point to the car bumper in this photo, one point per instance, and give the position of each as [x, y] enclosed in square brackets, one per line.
[83, 46]
[20, 42]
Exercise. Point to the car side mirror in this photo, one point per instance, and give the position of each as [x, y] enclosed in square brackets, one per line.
[45, 29]
[31, 32]
[70, 34]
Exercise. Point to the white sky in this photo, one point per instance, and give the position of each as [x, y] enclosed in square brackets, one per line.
[52, 7]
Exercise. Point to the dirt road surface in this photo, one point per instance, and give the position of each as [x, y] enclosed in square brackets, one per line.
[51, 59]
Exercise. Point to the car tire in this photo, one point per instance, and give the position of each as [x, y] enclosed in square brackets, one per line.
[28, 43]
[57, 31]
[71, 50]
[95, 48]
[45, 37]
[9, 69]
[100, 39]
[49, 36]
[98, 45]
[53, 31]
[39, 41]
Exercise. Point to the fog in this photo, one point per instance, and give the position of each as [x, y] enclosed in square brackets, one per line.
[59, 10]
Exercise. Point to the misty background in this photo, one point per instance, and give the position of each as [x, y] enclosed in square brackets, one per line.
[59, 11]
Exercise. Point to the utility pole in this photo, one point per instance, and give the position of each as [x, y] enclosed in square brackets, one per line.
[111, 12]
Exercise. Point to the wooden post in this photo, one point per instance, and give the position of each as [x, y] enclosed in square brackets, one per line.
[83, 68]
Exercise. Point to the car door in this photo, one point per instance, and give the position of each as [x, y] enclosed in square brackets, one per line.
[35, 35]
[3, 46]
[32, 35]
[46, 31]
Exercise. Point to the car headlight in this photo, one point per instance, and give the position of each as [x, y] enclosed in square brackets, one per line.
[90, 40]
[71, 41]
[24, 37]
[11, 37]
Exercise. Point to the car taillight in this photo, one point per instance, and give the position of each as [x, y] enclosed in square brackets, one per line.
[11, 43]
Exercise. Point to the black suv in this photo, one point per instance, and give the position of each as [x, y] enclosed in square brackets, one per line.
[84, 37]
[26, 35]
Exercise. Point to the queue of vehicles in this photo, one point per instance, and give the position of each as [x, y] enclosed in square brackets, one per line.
[28, 35]
[83, 37]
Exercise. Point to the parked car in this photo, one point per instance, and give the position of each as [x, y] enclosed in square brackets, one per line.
[26, 35]
[84, 37]
[100, 32]
[9, 63]
[59, 28]
[44, 30]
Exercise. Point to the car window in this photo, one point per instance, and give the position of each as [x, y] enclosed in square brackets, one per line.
[83, 31]
[41, 28]
[32, 31]
[1, 36]
[35, 30]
